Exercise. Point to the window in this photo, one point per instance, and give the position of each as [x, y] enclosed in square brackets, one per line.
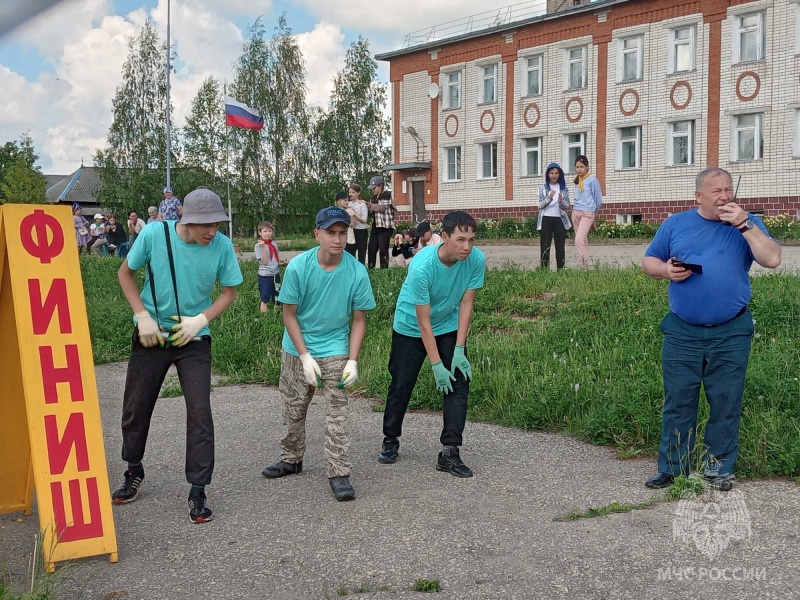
[576, 68]
[452, 171]
[629, 147]
[487, 161]
[681, 49]
[749, 37]
[628, 219]
[452, 94]
[531, 156]
[488, 91]
[796, 141]
[574, 146]
[747, 142]
[680, 143]
[534, 75]
[797, 28]
[629, 63]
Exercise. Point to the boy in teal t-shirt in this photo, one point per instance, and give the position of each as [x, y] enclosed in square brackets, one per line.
[432, 320]
[322, 289]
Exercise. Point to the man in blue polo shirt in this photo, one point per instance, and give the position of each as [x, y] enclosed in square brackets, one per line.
[432, 318]
[706, 254]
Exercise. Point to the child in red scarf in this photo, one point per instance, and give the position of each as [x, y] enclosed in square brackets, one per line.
[268, 265]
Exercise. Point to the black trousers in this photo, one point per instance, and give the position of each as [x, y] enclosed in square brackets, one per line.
[379, 240]
[552, 227]
[147, 368]
[405, 361]
[361, 244]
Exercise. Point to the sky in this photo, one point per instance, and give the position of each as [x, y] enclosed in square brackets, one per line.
[59, 71]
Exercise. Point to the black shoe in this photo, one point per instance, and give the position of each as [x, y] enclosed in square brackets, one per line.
[660, 480]
[342, 489]
[389, 452]
[453, 465]
[282, 468]
[723, 483]
[198, 511]
[130, 489]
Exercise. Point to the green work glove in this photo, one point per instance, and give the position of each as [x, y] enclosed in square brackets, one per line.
[461, 363]
[443, 378]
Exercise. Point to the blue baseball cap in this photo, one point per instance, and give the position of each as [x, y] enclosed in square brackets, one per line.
[330, 215]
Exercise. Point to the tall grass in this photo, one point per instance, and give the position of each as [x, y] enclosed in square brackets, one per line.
[574, 351]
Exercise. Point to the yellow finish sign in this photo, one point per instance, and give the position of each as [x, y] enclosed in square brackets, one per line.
[50, 431]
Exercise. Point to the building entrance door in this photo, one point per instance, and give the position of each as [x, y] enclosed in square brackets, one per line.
[418, 200]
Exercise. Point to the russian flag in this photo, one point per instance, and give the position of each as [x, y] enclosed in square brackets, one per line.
[240, 115]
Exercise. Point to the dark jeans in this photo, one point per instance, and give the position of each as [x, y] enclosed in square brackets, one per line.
[361, 244]
[552, 227]
[405, 362]
[715, 357]
[147, 368]
[379, 244]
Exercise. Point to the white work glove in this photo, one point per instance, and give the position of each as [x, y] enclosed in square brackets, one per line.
[311, 370]
[349, 375]
[187, 328]
[149, 332]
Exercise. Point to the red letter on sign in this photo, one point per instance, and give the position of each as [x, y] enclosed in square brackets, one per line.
[58, 451]
[42, 312]
[77, 528]
[70, 374]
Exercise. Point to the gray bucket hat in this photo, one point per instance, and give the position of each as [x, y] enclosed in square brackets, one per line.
[202, 207]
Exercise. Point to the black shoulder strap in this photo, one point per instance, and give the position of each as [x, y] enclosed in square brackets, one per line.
[172, 272]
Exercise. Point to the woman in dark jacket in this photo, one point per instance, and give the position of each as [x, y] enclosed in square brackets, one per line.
[553, 221]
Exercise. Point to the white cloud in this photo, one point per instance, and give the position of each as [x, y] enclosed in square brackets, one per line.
[323, 50]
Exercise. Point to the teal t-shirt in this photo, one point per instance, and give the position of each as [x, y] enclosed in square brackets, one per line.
[429, 281]
[325, 301]
[197, 269]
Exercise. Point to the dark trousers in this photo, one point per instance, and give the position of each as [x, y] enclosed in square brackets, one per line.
[715, 357]
[147, 368]
[405, 362]
[379, 244]
[361, 244]
[552, 227]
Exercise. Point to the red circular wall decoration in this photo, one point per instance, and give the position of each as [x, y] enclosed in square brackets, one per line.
[487, 128]
[629, 98]
[451, 125]
[574, 117]
[531, 108]
[748, 79]
[681, 95]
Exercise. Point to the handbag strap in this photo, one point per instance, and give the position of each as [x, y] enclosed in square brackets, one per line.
[172, 272]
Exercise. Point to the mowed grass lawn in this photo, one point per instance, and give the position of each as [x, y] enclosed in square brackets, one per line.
[575, 351]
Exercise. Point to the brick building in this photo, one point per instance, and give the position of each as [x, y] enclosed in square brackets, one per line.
[650, 90]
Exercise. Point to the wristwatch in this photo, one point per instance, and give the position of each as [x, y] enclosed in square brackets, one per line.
[746, 226]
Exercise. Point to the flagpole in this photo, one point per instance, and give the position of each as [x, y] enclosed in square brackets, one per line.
[227, 162]
[169, 142]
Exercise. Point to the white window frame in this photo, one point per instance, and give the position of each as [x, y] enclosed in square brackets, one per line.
[623, 53]
[491, 147]
[796, 136]
[674, 43]
[737, 129]
[569, 62]
[567, 148]
[531, 146]
[673, 134]
[623, 141]
[739, 30]
[533, 74]
[452, 81]
[485, 78]
[797, 28]
[452, 157]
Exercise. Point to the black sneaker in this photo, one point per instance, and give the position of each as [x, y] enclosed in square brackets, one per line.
[659, 481]
[282, 468]
[198, 511]
[390, 450]
[342, 489]
[723, 483]
[130, 489]
[453, 465]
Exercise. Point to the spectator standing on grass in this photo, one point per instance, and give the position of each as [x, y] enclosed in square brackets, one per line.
[185, 261]
[170, 208]
[553, 221]
[708, 331]
[320, 349]
[269, 277]
[588, 200]
[360, 228]
[342, 202]
[382, 210]
[81, 223]
[432, 318]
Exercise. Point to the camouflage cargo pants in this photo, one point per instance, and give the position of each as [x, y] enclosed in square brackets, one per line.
[297, 395]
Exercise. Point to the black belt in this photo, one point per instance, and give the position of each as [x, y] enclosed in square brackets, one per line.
[736, 316]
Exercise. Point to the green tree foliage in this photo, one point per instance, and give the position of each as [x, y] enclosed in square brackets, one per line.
[204, 134]
[20, 181]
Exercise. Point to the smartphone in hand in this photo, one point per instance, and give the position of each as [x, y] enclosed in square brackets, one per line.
[694, 268]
